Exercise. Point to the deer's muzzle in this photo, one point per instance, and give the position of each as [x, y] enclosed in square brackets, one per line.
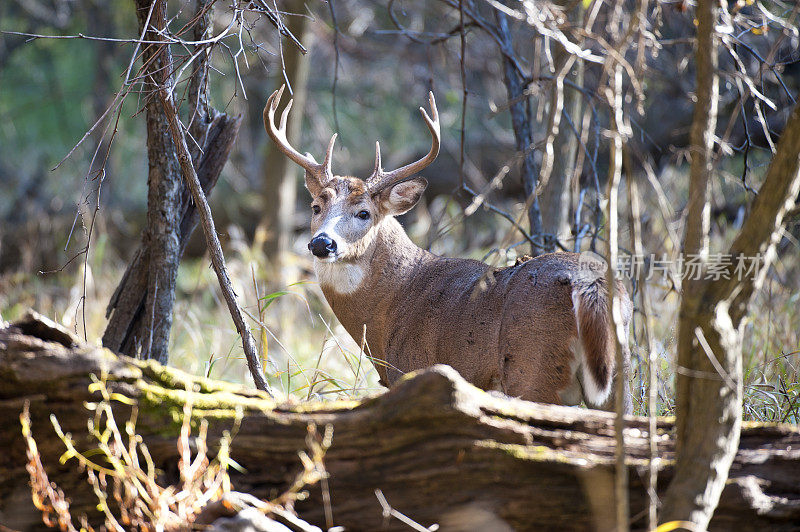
[322, 246]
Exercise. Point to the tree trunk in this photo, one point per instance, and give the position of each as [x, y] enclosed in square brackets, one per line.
[519, 107]
[709, 380]
[144, 329]
[708, 410]
[148, 284]
[440, 450]
[163, 192]
[280, 174]
[556, 194]
[127, 304]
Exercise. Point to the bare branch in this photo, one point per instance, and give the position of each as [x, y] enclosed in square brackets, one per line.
[212, 241]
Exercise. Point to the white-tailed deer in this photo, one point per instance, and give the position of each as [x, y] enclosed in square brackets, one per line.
[539, 330]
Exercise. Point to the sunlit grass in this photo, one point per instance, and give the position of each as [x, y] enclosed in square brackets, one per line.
[307, 354]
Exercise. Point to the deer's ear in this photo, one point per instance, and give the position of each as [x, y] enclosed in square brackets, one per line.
[312, 184]
[400, 198]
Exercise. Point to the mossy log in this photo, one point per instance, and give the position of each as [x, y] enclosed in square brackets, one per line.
[440, 450]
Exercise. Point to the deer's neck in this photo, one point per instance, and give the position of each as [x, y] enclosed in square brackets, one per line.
[388, 262]
[363, 292]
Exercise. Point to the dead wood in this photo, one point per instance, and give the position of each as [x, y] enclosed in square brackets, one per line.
[192, 182]
[146, 290]
[440, 450]
[128, 302]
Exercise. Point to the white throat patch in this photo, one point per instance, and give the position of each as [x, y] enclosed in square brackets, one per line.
[341, 277]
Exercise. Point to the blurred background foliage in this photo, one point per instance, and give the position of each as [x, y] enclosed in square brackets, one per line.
[53, 90]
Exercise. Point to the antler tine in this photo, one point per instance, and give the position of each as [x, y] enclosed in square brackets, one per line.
[329, 153]
[285, 115]
[379, 179]
[322, 171]
[377, 169]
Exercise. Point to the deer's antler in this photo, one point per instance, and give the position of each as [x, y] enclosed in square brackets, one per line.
[381, 179]
[321, 171]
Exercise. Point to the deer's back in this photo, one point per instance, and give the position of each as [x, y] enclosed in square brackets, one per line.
[457, 312]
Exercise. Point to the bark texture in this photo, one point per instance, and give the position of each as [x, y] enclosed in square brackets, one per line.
[140, 310]
[519, 107]
[709, 380]
[440, 450]
[280, 174]
[163, 192]
[126, 308]
[708, 411]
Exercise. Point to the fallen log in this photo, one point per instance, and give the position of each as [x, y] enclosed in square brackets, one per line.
[440, 450]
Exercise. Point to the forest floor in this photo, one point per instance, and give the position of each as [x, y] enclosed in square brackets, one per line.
[308, 354]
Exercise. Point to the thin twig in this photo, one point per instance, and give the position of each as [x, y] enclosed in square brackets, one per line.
[463, 69]
[388, 511]
[335, 64]
[212, 241]
[615, 174]
[652, 355]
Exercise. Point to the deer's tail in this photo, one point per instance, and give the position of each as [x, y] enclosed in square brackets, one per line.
[596, 336]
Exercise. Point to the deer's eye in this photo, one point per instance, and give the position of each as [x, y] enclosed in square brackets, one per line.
[315, 209]
[362, 215]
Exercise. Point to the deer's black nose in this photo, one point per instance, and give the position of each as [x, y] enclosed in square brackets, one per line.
[322, 246]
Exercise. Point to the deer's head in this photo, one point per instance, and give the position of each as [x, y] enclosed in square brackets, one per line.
[347, 211]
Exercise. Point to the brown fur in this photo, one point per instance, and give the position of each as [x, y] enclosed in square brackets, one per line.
[539, 329]
[595, 333]
[513, 328]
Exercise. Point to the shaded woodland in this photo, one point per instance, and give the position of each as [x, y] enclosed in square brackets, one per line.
[144, 209]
